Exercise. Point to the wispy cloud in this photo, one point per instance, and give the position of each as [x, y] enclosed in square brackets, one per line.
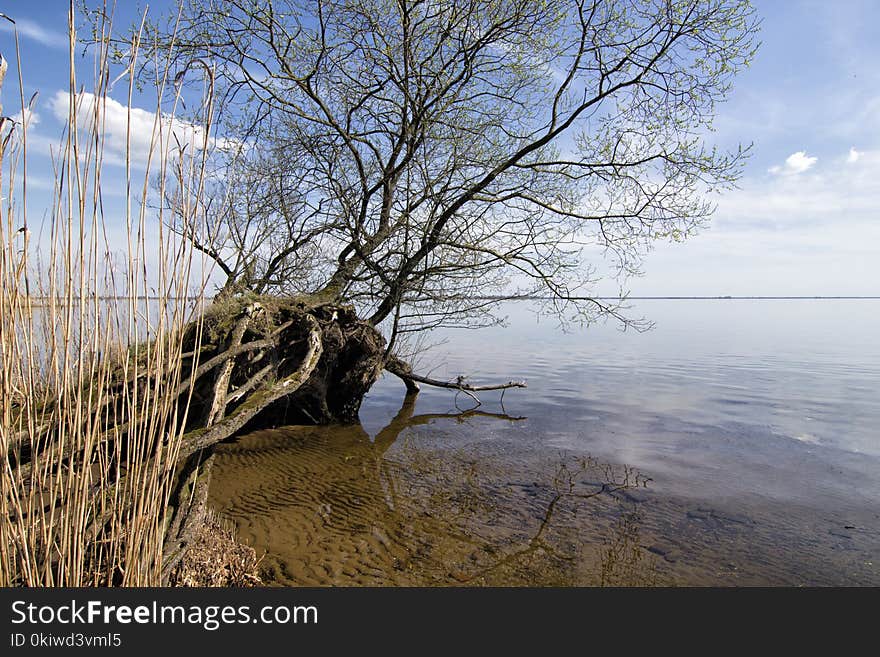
[32, 30]
[794, 164]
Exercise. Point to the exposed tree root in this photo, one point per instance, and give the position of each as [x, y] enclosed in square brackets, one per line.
[252, 362]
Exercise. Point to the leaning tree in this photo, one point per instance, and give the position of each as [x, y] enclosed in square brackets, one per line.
[390, 166]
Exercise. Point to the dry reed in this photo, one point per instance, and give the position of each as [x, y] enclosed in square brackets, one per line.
[88, 458]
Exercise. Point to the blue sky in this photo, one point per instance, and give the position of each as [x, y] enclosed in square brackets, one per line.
[806, 217]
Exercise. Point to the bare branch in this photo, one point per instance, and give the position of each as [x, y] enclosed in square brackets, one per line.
[404, 371]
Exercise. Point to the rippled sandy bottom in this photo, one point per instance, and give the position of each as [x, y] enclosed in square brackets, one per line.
[428, 502]
[329, 510]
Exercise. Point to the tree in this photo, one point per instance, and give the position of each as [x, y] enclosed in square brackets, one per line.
[424, 161]
[415, 158]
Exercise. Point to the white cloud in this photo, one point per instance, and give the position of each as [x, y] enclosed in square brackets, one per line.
[808, 234]
[23, 122]
[32, 30]
[132, 132]
[837, 194]
[853, 156]
[794, 164]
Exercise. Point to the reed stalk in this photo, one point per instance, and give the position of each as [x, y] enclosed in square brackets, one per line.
[89, 460]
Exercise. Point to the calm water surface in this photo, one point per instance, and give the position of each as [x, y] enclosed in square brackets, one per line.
[736, 443]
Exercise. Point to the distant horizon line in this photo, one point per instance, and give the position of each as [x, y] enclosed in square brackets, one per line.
[519, 298]
[684, 297]
[728, 296]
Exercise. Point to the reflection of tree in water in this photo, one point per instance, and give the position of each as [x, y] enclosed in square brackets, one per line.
[622, 557]
[332, 506]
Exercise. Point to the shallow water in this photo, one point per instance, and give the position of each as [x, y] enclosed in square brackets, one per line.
[736, 443]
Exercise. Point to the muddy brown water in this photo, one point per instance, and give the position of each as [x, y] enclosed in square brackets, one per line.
[624, 463]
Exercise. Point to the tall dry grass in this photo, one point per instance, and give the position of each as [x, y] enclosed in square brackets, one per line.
[90, 419]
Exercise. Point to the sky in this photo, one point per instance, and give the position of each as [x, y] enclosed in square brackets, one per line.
[805, 218]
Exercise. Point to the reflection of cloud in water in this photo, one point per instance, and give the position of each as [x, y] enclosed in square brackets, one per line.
[807, 438]
[331, 506]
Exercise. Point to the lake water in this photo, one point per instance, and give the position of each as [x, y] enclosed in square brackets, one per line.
[738, 442]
